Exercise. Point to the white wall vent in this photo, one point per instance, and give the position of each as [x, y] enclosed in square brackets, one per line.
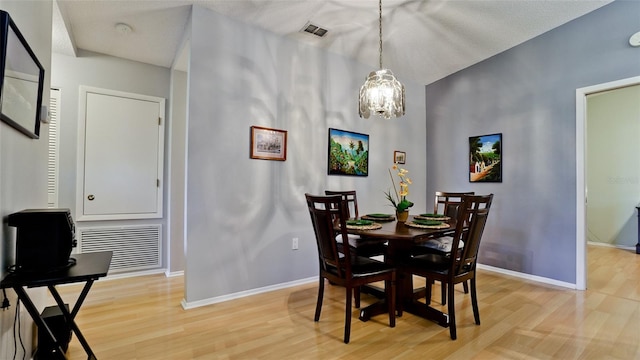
[54, 150]
[134, 247]
[314, 29]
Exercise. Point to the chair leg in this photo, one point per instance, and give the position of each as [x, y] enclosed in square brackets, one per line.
[320, 296]
[399, 304]
[444, 291]
[452, 312]
[474, 301]
[390, 289]
[427, 291]
[347, 317]
[356, 296]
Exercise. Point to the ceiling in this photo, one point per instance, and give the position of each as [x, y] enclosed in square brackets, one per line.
[423, 40]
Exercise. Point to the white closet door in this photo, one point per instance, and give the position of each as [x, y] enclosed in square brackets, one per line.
[122, 160]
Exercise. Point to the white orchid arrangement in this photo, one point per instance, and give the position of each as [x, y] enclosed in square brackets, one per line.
[399, 201]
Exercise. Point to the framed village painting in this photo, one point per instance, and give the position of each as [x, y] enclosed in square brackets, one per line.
[399, 157]
[485, 158]
[268, 144]
[348, 153]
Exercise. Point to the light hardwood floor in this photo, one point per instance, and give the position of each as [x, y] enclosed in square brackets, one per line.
[141, 318]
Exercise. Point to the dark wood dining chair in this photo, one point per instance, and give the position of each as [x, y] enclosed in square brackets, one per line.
[338, 264]
[446, 203]
[457, 267]
[361, 245]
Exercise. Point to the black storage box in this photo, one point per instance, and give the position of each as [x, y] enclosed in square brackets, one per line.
[56, 322]
[44, 239]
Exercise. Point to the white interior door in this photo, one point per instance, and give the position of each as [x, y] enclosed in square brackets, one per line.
[122, 156]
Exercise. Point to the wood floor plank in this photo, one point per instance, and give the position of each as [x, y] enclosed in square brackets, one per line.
[141, 318]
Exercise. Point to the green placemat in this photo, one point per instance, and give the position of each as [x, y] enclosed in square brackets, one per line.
[359, 222]
[427, 222]
[433, 215]
[382, 216]
[436, 217]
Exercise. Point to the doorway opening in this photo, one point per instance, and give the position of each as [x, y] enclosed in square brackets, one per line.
[581, 188]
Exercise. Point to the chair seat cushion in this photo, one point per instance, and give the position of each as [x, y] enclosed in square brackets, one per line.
[364, 266]
[364, 246]
[353, 239]
[441, 244]
[434, 262]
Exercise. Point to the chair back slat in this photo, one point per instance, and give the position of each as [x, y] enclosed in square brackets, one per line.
[471, 221]
[326, 212]
[352, 201]
[447, 203]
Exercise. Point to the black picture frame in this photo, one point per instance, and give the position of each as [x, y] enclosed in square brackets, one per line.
[485, 158]
[22, 80]
[348, 153]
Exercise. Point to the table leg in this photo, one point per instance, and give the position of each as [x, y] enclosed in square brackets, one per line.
[373, 291]
[427, 312]
[35, 315]
[377, 308]
[406, 298]
[70, 316]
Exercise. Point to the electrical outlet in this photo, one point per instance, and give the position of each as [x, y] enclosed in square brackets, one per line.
[294, 244]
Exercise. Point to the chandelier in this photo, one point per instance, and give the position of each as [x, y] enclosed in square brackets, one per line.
[381, 94]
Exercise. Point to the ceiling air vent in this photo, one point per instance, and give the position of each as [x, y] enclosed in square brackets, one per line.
[314, 29]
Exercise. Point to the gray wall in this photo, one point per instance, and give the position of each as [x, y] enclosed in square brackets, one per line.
[102, 71]
[23, 164]
[176, 134]
[528, 94]
[243, 213]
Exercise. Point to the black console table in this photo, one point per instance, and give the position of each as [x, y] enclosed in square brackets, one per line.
[88, 268]
[638, 244]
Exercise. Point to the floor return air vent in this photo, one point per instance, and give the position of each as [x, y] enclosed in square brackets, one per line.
[134, 247]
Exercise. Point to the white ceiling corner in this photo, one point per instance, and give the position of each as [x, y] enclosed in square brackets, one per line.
[422, 40]
[61, 36]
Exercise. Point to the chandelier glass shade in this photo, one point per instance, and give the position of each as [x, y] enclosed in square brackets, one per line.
[382, 94]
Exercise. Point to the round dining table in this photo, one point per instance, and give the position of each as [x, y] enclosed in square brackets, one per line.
[401, 237]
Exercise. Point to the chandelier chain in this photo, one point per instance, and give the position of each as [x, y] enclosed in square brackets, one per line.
[382, 94]
[380, 27]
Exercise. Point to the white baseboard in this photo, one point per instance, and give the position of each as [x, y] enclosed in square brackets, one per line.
[611, 245]
[194, 304]
[547, 280]
[520, 275]
[174, 273]
[133, 274]
[218, 299]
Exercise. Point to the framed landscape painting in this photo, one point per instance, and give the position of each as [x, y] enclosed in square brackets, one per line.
[348, 153]
[485, 158]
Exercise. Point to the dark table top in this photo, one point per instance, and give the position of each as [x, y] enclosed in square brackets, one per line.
[88, 266]
[397, 231]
